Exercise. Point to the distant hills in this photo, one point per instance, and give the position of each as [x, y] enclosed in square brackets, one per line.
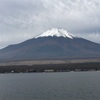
[50, 45]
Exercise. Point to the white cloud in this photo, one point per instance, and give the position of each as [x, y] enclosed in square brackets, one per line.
[31, 17]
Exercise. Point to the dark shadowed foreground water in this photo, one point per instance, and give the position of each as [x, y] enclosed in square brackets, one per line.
[50, 86]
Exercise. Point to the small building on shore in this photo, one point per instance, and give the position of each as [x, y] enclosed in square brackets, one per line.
[48, 70]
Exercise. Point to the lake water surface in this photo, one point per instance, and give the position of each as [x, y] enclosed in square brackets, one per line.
[50, 86]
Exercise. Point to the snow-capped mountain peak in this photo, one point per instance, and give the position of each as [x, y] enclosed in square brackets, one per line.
[56, 32]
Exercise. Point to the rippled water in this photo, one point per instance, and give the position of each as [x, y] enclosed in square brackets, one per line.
[50, 86]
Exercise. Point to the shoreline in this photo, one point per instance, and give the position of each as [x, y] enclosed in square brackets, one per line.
[62, 67]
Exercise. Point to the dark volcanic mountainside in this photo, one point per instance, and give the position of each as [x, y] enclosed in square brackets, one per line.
[53, 46]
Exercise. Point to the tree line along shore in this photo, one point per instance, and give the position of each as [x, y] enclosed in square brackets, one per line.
[93, 66]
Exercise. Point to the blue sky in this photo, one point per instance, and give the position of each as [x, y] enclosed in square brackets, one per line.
[24, 19]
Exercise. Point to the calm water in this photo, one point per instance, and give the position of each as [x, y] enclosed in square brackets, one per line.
[50, 86]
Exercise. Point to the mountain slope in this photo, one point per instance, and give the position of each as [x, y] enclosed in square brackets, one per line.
[53, 44]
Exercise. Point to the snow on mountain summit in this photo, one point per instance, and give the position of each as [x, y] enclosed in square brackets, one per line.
[56, 32]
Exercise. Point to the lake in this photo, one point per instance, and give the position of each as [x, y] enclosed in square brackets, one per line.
[50, 86]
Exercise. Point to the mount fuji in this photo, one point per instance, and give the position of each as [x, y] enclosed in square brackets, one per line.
[52, 44]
